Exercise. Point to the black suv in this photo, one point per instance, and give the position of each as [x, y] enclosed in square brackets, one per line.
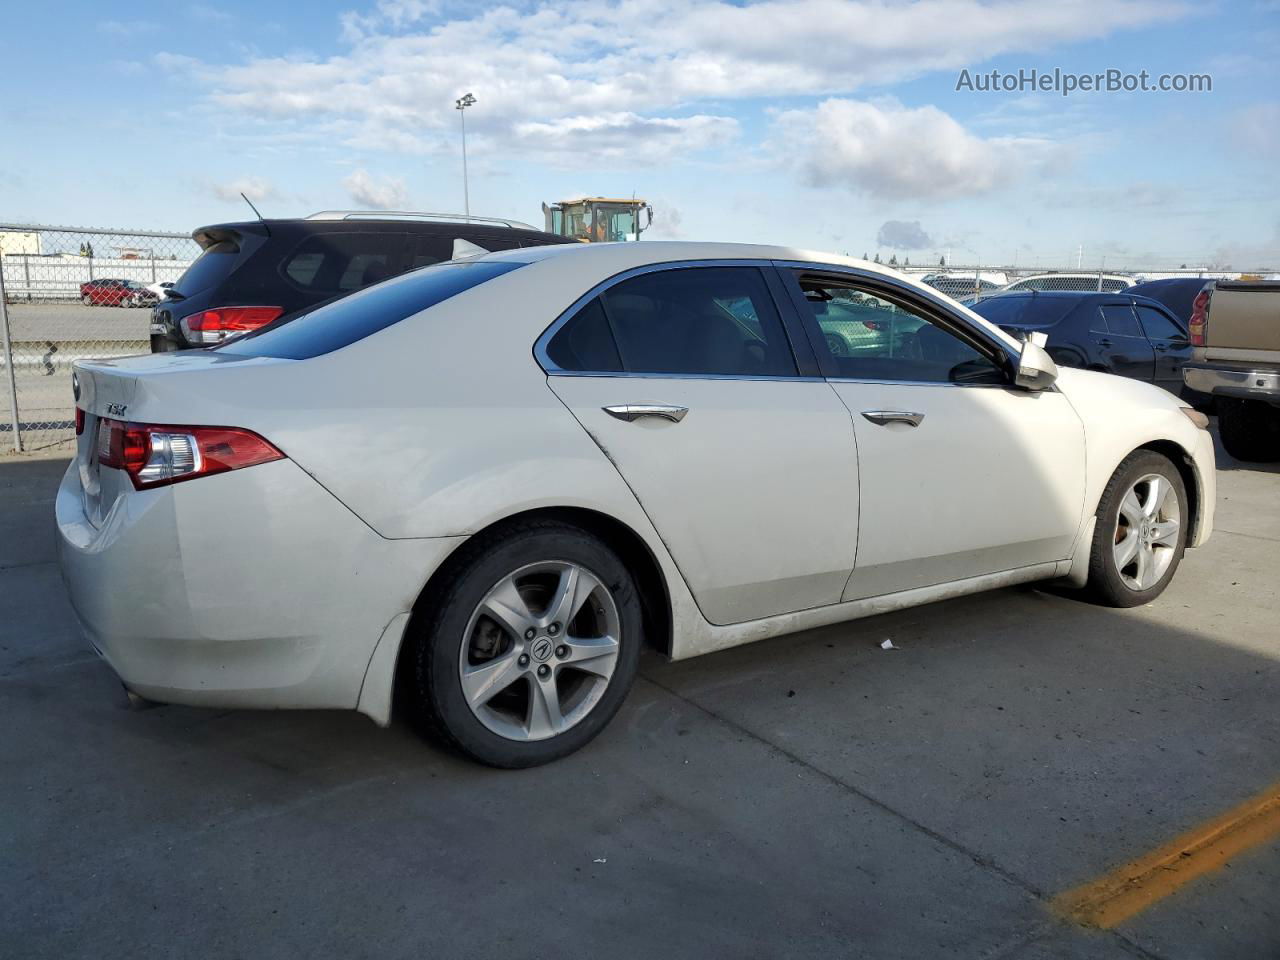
[251, 273]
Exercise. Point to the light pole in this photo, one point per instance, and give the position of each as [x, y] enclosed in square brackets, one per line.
[461, 104]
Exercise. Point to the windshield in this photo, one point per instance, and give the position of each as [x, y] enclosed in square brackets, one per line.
[342, 322]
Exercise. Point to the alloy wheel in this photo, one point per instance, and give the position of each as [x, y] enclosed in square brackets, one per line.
[539, 650]
[1147, 530]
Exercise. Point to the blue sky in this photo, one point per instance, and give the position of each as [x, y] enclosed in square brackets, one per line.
[819, 123]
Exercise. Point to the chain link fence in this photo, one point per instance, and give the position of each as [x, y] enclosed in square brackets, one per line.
[72, 293]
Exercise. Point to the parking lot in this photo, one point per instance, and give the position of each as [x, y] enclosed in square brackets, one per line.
[814, 795]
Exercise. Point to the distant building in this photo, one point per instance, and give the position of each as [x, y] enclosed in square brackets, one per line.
[16, 241]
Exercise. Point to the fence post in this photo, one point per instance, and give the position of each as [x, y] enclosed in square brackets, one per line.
[8, 363]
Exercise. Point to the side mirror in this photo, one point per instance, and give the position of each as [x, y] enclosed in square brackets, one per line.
[1036, 369]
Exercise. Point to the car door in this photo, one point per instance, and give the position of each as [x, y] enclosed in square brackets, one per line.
[1120, 345]
[961, 474]
[685, 377]
[1170, 342]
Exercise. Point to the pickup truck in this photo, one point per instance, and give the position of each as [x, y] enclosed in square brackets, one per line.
[1235, 336]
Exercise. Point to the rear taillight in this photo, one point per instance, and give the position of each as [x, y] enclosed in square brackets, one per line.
[154, 455]
[1199, 318]
[873, 324]
[214, 326]
[79, 421]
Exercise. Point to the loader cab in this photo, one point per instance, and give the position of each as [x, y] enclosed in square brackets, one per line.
[598, 219]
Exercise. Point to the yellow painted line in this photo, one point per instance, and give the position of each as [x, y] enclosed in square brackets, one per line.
[1116, 896]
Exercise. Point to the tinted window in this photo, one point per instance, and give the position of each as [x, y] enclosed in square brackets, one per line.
[1023, 311]
[702, 320]
[586, 343]
[209, 269]
[329, 263]
[1157, 326]
[1120, 320]
[344, 321]
[869, 337]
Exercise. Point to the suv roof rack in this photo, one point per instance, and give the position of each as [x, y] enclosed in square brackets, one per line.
[416, 215]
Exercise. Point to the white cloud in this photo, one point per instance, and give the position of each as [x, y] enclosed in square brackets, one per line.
[623, 137]
[542, 63]
[903, 235]
[387, 193]
[890, 151]
[256, 189]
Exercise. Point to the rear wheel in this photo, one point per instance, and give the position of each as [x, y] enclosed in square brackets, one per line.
[531, 644]
[1250, 429]
[87, 300]
[1140, 533]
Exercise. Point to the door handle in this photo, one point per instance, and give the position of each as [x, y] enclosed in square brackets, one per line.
[1104, 342]
[631, 412]
[882, 417]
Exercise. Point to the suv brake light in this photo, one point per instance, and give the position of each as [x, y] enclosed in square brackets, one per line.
[1199, 321]
[221, 323]
[155, 455]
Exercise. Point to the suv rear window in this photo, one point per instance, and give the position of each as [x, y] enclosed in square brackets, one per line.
[210, 268]
[327, 263]
[341, 323]
[1018, 311]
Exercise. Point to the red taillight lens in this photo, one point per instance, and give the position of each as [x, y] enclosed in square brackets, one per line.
[154, 455]
[873, 324]
[1199, 318]
[79, 421]
[214, 326]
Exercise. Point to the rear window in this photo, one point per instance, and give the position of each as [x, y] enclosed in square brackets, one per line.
[209, 269]
[325, 264]
[1023, 311]
[342, 322]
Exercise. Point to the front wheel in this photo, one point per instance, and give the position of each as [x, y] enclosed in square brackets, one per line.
[530, 645]
[1141, 531]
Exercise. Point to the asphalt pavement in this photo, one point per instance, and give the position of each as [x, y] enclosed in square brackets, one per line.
[809, 796]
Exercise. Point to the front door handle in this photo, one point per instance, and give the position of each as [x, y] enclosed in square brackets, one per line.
[883, 417]
[634, 411]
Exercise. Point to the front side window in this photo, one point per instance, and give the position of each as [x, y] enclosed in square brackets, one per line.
[696, 321]
[1120, 320]
[868, 336]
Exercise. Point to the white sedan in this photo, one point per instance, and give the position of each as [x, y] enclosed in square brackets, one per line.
[497, 479]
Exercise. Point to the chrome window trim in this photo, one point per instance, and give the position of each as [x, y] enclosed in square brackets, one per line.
[551, 369]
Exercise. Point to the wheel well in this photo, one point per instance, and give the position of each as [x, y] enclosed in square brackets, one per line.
[655, 601]
[1182, 460]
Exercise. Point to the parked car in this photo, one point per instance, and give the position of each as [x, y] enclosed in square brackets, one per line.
[160, 289]
[1098, 283]
[489, 483]
[1235, 330]
[115, 293]
[1178, 294]
[249, 274]
[963, 286]
[1115, 333]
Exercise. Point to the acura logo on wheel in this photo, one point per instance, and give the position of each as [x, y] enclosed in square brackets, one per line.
[541, 650]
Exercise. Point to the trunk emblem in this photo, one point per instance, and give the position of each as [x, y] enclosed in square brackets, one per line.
[117, 409]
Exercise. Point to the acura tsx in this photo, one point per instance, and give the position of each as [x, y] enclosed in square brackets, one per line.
[486, 484]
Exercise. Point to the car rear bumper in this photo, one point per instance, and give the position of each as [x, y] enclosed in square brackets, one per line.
[254, 588]
[1244, 381]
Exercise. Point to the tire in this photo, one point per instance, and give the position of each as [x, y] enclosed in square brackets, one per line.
[512, 727]
[87, 300]
[1157, 547]
[1250, 429]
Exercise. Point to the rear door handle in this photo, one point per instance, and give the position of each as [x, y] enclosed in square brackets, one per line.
[634, 411]
[882, 417]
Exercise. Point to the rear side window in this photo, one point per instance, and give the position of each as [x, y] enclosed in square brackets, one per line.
[1157, 326]
[698, 321]
[325, 264]
[344, 321]
[209, 269]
